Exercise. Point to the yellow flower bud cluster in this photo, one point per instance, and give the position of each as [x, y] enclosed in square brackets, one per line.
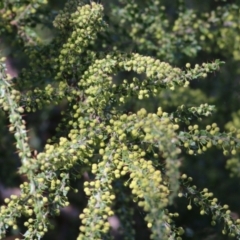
[9, 101]
[121, 159]
[191, 32]
[185, 114]
[151, 194]
[86, 21]
[198, 141]
[47, 63]
[156, 127]
[26, 206]
[10, 217]
[97, 80]
[131, 14]
[170, 232]
[188, 33]
[209, 204]
[64, 16]
[64, 155]
[13, 16]
[67, 154]
[95, 216]
[41, 97]
[64, 63]
[34, 204]
[42, 67]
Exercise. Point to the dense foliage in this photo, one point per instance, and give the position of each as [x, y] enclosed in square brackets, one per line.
[144, 96]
